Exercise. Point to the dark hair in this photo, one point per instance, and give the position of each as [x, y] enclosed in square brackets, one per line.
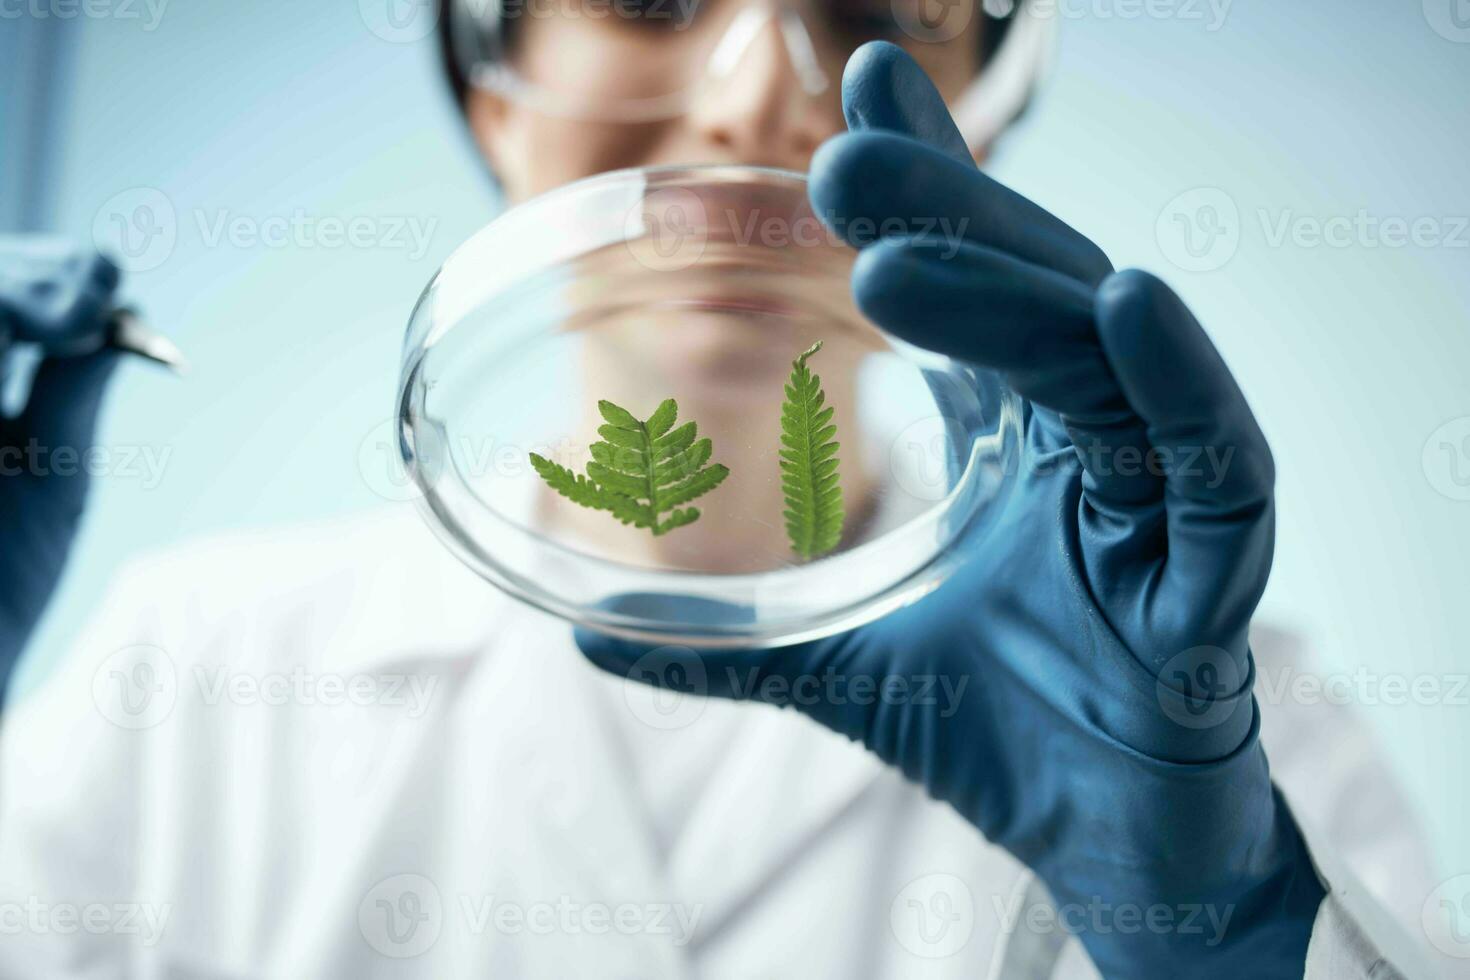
[993, 31]
[453, 72]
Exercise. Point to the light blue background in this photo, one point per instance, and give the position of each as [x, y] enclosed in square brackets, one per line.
[1352, 356]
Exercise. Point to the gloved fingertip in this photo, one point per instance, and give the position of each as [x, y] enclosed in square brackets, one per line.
[844, 173]
[885, 275]
[1133, 308]
[830, 176]
[884, 88]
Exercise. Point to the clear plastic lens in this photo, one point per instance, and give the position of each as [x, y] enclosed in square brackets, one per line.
[701, 285]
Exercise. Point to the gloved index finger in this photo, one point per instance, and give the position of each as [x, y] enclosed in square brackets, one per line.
[873, 185]
[906, 166]
[884, 88]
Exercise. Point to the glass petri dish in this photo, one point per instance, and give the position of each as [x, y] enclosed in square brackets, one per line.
[701, 285]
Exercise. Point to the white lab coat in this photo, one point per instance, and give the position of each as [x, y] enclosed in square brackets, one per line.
[334, 752]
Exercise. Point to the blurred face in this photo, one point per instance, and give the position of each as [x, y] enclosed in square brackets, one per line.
[741, 72]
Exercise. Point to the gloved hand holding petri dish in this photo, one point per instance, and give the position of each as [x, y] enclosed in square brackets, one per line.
[647, 403]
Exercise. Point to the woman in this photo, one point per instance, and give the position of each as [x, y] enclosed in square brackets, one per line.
[486, 803]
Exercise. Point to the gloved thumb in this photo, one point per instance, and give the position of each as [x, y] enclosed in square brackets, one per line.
[884, 88]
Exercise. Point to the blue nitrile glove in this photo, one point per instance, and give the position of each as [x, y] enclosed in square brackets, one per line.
[1105, 734]
[57, 296]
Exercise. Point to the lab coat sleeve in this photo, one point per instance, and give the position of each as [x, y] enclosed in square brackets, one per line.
[72, 782]
[1365, 836]
[1353, 938]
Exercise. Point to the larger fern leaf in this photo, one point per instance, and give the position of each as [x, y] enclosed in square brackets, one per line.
[809, 479]
[641, 470]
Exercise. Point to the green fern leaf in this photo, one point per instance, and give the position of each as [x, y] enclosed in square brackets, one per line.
[808, 460]
[662, 419]
[640, 470]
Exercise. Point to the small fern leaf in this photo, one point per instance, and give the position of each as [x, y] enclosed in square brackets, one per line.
[623, 438]
[670, 445]
[678, 518]
[576, 488]
[685, 464]
[618, 416]
[627, 461]
[810, 482]
[697, 485]
[640, 470]
[606, 476]
[662, 419]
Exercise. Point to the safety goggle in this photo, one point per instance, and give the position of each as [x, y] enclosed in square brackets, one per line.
[641, 61]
